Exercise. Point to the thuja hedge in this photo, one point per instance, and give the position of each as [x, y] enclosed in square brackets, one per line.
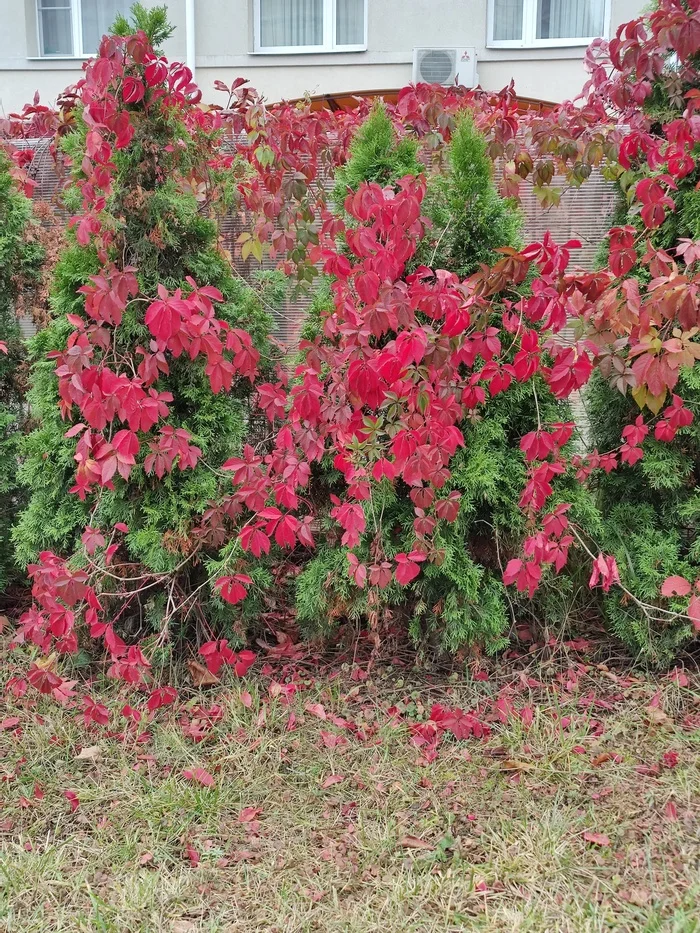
[459, 600]
[425, 429]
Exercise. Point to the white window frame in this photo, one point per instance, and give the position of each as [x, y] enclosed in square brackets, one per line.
[329, 32]
[76, 14]
[530, 40]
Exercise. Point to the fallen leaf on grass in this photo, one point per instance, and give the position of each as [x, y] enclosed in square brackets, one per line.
[91, 753]
[331, 740]
[670, 811]
[640, 897]
[9, 723]
[333, 779]
[248, 814]
[201, 676]
[246, 699]
[656, 716]
[413, 842]
[512, 764]
[316, 709]
[72, 799]
[200, 775]
[597, 839]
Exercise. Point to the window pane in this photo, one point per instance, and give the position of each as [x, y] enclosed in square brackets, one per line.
[507, 19]
[97, 17]
[570, 19]
[350, 22]
[56, 32]
[291, 22]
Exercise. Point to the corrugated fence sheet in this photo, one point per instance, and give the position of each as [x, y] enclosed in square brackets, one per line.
[583, 214]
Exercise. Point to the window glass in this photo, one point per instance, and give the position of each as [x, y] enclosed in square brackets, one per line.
[291, 23]
[97, 17]
[507, 19]
[350, 22]
[570, 19]
[56, 27]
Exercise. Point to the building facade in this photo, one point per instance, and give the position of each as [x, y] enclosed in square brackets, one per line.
[288, 48]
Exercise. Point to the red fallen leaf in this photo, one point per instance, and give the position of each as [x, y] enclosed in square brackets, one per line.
[597, 839]
[670, 759]
[316, 709]
[200, 775]
[648, 770]
[333, 779]
[246, 699]
[192, 854]
[679, 676]
[9, 723]
[38, 792]
[72, 798]
[675, 586]
[249, 814]
[670, 811]
[146, 858]
[331, 740]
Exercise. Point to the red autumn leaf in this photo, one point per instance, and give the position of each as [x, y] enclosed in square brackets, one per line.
[200, 776]
[332, 779]
[72, 799]
[316, 709]
[597, 839]
[694, 612]
[675, 586]
[249, 814]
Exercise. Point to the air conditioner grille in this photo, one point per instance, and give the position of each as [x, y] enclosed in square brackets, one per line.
[437, 66]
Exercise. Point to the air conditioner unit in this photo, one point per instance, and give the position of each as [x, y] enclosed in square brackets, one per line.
[445, 66]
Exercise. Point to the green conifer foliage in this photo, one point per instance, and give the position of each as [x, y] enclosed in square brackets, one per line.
[462, 600]
[166, 230]
[651, 510]
[376, 155]
[470, 219]
[20, 260]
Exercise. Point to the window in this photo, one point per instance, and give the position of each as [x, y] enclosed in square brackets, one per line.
[75, 27]
[521, 23]
[310, 25]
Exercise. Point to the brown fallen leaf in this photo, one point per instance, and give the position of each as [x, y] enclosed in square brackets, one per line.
[201, 676]
[512, 764]
[656, 715]
[91, 753]
[413, 842]
[640, 897]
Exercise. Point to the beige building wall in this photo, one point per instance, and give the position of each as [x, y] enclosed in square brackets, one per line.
[224, 40]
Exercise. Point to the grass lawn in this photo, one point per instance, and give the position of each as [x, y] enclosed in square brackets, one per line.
[579, 812]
